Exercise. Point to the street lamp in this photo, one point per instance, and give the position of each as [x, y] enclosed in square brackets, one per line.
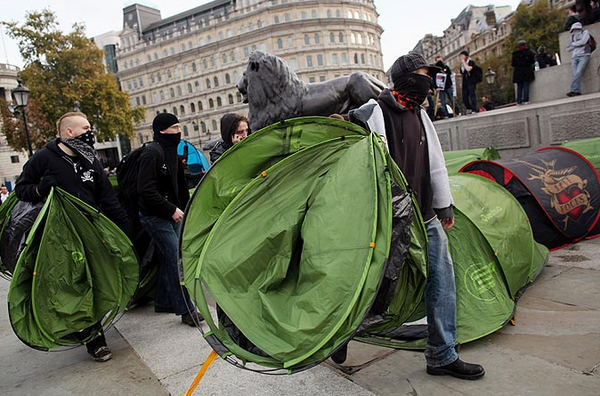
[490, 77]
[21, 95]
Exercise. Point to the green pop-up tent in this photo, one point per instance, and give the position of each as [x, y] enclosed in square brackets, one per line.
[304, 236]
[290, 233]
[495, 258]
[77, 269]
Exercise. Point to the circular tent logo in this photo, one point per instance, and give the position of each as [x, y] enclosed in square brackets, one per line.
[480, 281]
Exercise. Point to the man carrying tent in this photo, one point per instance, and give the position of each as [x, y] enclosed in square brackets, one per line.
[69, 162]
[414, 146]
[162, 193]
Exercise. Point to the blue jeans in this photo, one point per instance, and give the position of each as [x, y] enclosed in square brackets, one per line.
[579, 63]
[522, 92]
[447, 93]
[440, 299]
[168, 290]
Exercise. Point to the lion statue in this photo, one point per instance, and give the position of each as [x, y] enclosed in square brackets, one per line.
[274, 92]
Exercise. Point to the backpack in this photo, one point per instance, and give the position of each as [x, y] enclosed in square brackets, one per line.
[592, 43]
[476, 74]
[127, 178]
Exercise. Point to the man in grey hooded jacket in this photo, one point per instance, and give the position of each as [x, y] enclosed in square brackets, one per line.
[413, 144]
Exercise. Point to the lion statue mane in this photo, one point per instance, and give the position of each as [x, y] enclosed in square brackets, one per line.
[275, 93]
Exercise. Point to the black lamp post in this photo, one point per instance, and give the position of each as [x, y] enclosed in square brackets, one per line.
[20, 96]
[490, 77]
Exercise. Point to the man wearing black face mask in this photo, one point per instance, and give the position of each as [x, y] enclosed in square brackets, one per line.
[163, 193]
[413, 144]
[70, 163]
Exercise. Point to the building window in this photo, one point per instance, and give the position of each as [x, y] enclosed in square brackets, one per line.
[232, 56]
[175, 110]
[306, 40]
[334, 58]
[214, 125]
[279, 43]
[169, 75]
[317, 39]
[303, 15]
[338, 14]
[189, 87]
[227, 78]
[238, 97]
[200, 107]
[319, 60]
[331, 38]
[203, 126]
[329, 14]
[185, 131]
[290, 42]
[171, 92]
[211, 103]
[321, 78]
[182, 110]
[286, 17]
[208, 83]
[344, 58]
[179, 93]
[313, 14]
[14, 159]
[356, 59]
[230, 99]
[197, 86]
[246, 52]
[192, 108]
[219, 102]
[311, 80]
[341, 37]
[276, 19]
[309, 61]
[224, 58]
[162, 95]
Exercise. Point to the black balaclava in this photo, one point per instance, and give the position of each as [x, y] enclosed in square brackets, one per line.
[412, 89]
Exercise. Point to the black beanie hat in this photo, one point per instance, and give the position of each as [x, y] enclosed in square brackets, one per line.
[163, 121]
[464, 52]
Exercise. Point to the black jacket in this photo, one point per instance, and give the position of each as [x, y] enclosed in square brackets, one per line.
[159, 194]
[76, 176]
[446, 69]
[523, 61]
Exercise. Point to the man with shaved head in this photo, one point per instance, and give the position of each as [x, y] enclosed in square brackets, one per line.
[70, 163]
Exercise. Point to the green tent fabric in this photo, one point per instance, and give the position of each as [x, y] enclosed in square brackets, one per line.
[76, 270]
[589, 148]
[456, 159]
[290, 232]
[5, 210]
[495, 258]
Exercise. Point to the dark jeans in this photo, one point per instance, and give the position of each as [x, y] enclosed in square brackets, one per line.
[169, 293]
[522, 92]
[469, 96]
[447, 95]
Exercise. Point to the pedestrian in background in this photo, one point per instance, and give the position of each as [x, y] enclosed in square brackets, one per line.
[523, 60]
[571, 18]
[234, 129]
[469, 82]
[579, 45]
[543, 58]
[3, 193]
[448, 92]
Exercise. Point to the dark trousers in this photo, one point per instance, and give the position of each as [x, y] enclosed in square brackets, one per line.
[469, 96]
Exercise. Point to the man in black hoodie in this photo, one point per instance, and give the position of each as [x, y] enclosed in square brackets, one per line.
[234, 129]
[163, 195]
[70, 163]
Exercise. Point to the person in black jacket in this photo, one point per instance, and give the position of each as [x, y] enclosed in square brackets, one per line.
[448, 92]
[70, 163]
[162, 194]
[469, 83]
[234, 129]
[523, 60]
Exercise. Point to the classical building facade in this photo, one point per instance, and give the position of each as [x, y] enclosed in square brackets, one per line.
[11, 161]
[188, 64]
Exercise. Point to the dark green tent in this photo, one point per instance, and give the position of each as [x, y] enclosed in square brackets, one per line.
[77, 269]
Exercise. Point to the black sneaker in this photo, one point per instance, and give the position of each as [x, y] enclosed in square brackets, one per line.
[458, 369]
[192, 319]
[101, 354]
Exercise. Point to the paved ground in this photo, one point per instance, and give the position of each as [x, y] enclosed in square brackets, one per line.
[553, 350]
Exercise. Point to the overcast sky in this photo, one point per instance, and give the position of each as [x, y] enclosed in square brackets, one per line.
[404, 22]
